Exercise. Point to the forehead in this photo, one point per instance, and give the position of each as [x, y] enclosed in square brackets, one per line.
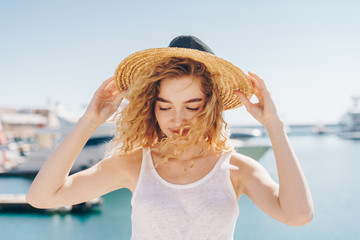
[180, 87]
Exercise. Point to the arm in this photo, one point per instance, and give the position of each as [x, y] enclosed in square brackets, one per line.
[289, 201]
[52, 186]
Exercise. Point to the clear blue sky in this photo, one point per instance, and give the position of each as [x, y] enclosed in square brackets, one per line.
[308, 52]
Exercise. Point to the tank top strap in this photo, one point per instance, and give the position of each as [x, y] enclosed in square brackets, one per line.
[225, 174]
[225, 160]
[145, 167]
[146, 158]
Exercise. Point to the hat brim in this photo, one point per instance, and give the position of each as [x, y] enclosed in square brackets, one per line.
[228, 76]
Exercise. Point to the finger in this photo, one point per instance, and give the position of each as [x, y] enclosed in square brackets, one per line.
[257, 88]
[119, 99]
[254, 75]
[243, 98]
[111, 87]
[111, 83]
[106, 82]
[258, 95]
[254, 82]
[258, 79]
[262, 86]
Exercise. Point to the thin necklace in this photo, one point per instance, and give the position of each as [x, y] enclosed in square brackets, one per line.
[186, 168]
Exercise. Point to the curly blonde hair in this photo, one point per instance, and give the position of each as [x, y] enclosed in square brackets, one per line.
[136, 124]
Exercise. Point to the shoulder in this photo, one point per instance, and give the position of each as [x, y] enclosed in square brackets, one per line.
[134, 155]
[130, 161]
[243, 168]
[243, 165]
[126, 167]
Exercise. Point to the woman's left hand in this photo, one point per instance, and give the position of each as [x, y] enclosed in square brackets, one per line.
[263, 111]
[289, 201]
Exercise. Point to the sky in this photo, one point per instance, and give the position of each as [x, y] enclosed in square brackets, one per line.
[307, 52]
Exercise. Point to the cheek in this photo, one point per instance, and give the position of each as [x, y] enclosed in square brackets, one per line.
[162, 121]
[160, 117]
[189, 115]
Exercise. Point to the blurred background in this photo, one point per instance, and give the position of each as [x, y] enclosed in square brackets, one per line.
[55, 54]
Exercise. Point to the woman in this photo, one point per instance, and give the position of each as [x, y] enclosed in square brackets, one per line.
[172, 150]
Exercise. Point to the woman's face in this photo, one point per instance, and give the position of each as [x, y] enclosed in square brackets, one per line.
[179, 100]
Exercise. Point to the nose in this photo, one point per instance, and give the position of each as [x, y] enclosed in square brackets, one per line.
[178, 118]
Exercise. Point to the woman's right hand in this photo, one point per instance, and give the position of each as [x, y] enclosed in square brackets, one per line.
[105, 102]
[53, 187]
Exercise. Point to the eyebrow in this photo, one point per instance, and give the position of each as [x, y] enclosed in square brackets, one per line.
[188, 101]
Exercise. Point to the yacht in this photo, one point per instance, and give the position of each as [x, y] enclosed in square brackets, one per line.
[350, 123]
[46, 139]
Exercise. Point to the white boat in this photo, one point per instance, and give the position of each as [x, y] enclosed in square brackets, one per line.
[17, 203]
[46, 141]
[350, 123]
[10, 157]
[254, 149]
[319, 129]
[242, 139]
[245, 133]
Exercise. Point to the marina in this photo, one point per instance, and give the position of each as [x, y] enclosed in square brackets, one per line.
[330, 164]
[45, 128]
[321, 149]
[23, 155]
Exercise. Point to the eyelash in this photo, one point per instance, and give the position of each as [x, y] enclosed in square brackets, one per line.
[191, 109]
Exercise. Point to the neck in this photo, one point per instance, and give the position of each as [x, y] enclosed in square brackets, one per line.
[190, 153]
[193, 151]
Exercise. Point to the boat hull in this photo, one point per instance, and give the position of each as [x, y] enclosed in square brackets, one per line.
[353, 135]
[255, 152]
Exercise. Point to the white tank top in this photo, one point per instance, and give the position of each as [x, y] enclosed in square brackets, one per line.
[205, 209]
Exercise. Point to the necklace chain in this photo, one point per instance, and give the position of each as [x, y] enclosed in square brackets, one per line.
[186, 168]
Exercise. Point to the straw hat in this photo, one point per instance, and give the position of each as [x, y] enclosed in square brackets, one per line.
[230, 77]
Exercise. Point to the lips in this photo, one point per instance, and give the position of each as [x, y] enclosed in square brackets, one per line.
[177, 131]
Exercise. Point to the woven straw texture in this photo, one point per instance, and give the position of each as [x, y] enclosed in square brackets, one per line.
[227, 77]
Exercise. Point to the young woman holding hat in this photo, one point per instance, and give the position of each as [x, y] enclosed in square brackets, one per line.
[172, 151]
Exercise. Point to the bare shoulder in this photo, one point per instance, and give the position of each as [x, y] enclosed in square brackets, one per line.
[248, 176]
[129, 161]
[134, 157]
[243, 165]
[241, 168]
[126, 167]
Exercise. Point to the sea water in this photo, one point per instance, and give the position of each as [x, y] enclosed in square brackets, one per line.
[331, 165]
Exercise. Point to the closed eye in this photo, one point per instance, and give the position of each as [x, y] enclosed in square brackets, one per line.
[193, 109]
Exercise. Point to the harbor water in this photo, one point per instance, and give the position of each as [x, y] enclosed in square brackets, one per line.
[331, 165]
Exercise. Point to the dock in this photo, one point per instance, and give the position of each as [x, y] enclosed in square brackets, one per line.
[17, 203]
